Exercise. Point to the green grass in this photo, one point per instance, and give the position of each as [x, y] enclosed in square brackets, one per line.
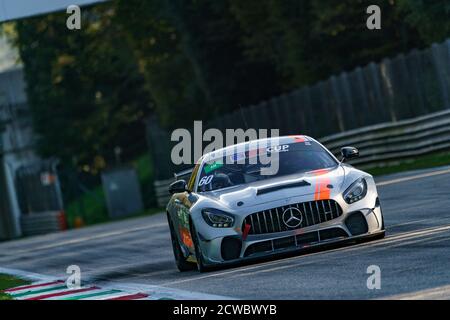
[423, 162]
[91, 207]
[6, 282]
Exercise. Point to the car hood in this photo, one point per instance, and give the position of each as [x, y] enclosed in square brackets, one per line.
[317, 185]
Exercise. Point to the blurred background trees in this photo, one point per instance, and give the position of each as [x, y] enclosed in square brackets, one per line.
[85, 90]
[183, 60]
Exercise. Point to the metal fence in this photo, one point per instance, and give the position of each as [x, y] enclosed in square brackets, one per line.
[388, 143]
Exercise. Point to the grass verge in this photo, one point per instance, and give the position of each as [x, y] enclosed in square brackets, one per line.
[423, 162]
[6, 282]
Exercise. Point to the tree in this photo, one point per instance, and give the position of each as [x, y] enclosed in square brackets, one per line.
[170, 77]
[307, 41]
[198, 42]
[430, 18]
[84, 87]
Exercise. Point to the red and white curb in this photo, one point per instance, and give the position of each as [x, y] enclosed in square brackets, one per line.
[58, 290]
[50, 288]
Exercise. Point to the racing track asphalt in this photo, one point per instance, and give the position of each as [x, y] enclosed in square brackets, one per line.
[414, 258]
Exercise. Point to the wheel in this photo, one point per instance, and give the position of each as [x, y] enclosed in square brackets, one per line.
[180, 260]
[198, 251]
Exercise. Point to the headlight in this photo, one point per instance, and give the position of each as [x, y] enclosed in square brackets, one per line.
[356, 191]
[217, 218]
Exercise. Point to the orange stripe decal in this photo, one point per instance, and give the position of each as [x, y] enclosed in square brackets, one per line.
[322, 191]
[186, 237]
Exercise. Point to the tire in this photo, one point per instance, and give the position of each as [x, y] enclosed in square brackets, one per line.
[198, 251]
[180, 260]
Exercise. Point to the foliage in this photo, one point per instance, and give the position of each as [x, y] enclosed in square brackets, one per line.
[195, 59]
[85, 91]
[431, 18]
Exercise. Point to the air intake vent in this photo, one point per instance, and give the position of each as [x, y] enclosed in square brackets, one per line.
[357, 224]
[231, 248]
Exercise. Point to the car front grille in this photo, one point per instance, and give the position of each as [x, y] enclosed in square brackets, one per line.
[305, 214]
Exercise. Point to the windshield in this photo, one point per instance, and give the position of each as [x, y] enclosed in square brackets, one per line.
[292, 159]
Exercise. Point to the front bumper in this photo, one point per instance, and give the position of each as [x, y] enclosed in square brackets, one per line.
[217, 250]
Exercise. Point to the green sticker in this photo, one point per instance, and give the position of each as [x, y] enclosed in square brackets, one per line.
[213, 166]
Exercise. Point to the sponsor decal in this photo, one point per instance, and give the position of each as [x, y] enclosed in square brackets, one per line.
[213, 166]
[205, 180]
[237, 157]
[298, 139]
[183, 216]
[280, 148]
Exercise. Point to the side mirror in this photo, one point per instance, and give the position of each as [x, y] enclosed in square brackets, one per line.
[349, 153]
[178, 187]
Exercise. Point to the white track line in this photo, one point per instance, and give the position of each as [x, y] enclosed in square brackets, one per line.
[415, 177]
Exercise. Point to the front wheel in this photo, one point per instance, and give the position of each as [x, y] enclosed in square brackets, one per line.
[180, 260]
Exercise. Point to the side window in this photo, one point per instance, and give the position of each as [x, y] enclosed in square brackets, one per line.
[193, 176]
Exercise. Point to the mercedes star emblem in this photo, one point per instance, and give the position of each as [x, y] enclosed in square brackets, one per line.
[292, 217]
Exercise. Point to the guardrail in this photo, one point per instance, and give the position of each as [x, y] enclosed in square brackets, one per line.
[387, 143]
[162, 191]
[379, 145]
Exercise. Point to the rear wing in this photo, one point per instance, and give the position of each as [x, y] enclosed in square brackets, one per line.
[183, 175]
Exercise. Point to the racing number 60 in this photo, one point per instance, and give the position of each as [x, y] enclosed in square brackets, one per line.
[205, 180]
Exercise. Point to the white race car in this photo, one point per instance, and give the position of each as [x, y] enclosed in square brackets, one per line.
[230, 211]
